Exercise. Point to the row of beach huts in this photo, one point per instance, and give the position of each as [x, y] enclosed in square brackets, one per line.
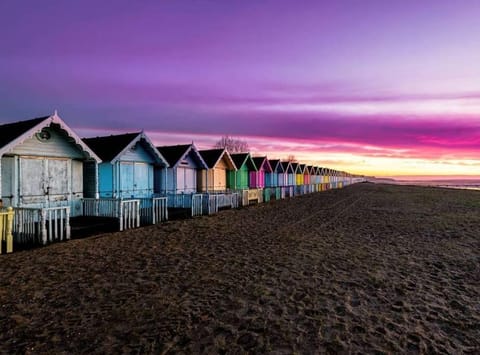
[54, 185]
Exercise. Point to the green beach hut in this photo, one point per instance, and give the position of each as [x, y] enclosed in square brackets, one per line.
[238, 180]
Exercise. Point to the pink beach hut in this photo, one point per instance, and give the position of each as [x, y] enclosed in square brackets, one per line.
[257, 178]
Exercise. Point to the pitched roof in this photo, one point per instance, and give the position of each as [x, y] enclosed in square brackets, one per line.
[262, 161]
[174, 153]
[276, 164]
[10, 131]
[287, 167]
[213, 156]
[108, 147]
[241, 158]
[13, 134]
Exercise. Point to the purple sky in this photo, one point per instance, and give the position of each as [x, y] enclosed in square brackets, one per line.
[384, 87]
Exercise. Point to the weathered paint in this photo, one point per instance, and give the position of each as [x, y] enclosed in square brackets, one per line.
[6, 226]
[36, 181]
[42, 167]
[56, 146]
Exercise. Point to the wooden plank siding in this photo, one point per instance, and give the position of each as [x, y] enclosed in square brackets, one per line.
[239, 179]
[257, 176]
[42, 165]
[184, 163]
[129, 165]
[214, 179]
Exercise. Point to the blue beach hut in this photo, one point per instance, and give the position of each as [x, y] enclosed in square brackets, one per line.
[185, 162]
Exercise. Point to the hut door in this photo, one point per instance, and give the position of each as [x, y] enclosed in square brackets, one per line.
[32, 181]
[141, 179]
[190, 180]
[180, 180]
[43, 181]
[57, 187]
[126, 179]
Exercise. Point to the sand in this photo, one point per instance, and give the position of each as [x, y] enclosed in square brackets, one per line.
[369, 268]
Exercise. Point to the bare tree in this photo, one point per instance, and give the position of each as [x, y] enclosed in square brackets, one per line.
[233, 145]
[291, 158]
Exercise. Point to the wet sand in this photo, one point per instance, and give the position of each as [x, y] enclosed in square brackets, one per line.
[369, 268]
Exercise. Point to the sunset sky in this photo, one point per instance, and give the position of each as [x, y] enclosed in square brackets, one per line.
[374, 87]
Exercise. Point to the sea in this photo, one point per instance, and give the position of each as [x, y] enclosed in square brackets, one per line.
[453, 183]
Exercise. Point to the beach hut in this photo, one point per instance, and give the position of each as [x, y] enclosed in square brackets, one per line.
[257, 177]
[184, 162]
[307, 178]
[129, 162]
[46, 171]
[335, 179]
[213, 181]
[271, 178]
[319, 178]
[315, 179]
[275, 179]
[289, 175]
[239, 179]
[330, 178]
[299, 177]
[298, 168]
[127, 176]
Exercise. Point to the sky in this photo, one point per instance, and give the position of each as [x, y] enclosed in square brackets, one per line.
[374, 87]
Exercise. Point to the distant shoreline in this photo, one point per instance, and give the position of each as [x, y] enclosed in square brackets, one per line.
[445, 183]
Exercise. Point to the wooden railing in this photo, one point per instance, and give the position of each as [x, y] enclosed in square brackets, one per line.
[210, 204]
[101, 207]
[267, 193]
[41, 225]
[129, 214]
[278, 193]
[213, 202]
[159, 209]
[6, 227]
[197, 205]
[187, 201]
[126, 211]
[150, 210]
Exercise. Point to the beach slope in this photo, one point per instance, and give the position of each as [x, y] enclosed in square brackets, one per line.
[367, 268]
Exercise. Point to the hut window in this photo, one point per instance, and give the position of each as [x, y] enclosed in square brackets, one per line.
[44, 135]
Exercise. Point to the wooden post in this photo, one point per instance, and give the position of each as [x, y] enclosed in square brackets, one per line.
[67, 223]
[43, 225]
[6, 227]
[137, 208]
[121, 215]
[9, 235]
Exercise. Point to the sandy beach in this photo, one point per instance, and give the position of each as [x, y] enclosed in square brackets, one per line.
[369, 268]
